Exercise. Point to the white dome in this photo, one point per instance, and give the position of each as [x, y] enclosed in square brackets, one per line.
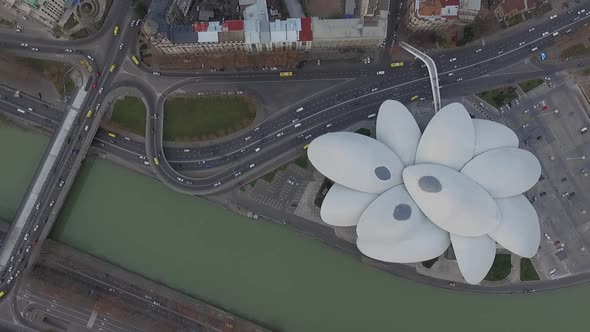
[504, 172]
[491, 135]
[343, 206]
[451, 200]
[356, 161]
[519, 229]
[397, 129]
[475, 256]
[449, 138]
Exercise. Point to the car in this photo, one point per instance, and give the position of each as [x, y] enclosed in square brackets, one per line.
[546, 235]
[10, 268]
[216, 184]
[500, 52]
[145, 162]
[252, 165]
[69, 50]
[97, 74]
[94, 85]
[291, 182]
[187, 150]
[37, 206]
[238, 173]
[137, 23]
[478, 50]
[307, 136]
[156, 73]
[9, 280]
[34, 49]
[280, 134]
[29, 247]
[294, 120]
[552, 271]
[531, 29]
[133, 23]
[112, 68]
[127, 138]
[19, 30]
[296, 111]
[452, 59]
[116, 30]
[90, 57]
[560, 249]
[328, 125]
[555, 33]
[452, 284]
[180, 179]
[26, 237]
[581, 11]
[121, 46]
[100, 90]
[521, 43]
[545, 33]
[86, 128]
[98, 106]
[51, 203]
[61, 183]
[381, 72]
[257, 149]
[247, 138]
[568, 30]
[552, 17]
[534, 49]
[24, 44]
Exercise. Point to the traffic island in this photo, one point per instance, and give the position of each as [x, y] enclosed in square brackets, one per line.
[205, 118]
[128, 115]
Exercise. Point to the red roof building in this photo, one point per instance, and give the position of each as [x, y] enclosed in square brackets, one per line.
[305, 34]
[200, 26]
[233, 25]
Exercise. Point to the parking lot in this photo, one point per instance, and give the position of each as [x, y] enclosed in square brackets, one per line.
[548, 121]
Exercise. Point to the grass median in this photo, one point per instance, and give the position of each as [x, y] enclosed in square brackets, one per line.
[129, 115]
[500, 96]
[527, 270]
[500, 269]
[529, 85]
[206, 117]
[54, 71]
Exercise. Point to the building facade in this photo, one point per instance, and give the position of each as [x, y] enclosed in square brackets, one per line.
[46, 12]
[437, 15]
[256, 32]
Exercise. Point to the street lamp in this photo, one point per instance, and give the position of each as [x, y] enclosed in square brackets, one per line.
[575, 158]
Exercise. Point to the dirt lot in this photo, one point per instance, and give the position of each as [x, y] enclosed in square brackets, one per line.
[559, 51]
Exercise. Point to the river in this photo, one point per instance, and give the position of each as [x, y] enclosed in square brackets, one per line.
[259, 270]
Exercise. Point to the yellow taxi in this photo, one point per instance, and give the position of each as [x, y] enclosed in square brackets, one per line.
[116, 30]
[156, 161]
[112, 135]
[89, 114]
[397, 64]
[112, 69]
[286, 73]
[414, 98]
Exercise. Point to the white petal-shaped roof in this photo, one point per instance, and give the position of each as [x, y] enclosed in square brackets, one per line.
[504, 172]
[425, 244]
[475, 256]
[393, 217]
[449, 138]
[397, 129]
[519, 229]
[356, 161]
[491, 135]
[451, 200]
[343, 206]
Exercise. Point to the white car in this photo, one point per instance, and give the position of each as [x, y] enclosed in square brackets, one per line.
[238, 173]
[216, 184]
[381, 72]
[374, 89]
[37, 206]
[252, 165]
[328, 125]
[90, 58]
[35, 228]
[51, 203]
[100, 90]
[552, 271]
[28, 249]
[133, 23]
[187, 150]
[459, 79]
[34, 49]
[545, 33]
[452, 59]
[180, 179]
[531, 29]
[127, 138]
[521, 43]
[581, 11]
[247, 138]
[280, 134]
[121, 46]
[97, 106]
[26, 237]
[156, 73]
[478, 50]
[24, 44]
[69, 50]
[552, 17]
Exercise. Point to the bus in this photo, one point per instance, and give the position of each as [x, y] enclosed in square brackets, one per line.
[112, 135]
[414, 98]
[397, 64]
[89, 114]
[156, 161]
[134, 58]
[286, 73]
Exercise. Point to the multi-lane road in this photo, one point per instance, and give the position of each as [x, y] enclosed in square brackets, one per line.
[237, 159]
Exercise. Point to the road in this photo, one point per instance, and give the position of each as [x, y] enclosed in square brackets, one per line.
[233, 162]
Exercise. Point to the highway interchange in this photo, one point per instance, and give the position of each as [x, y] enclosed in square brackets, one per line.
[232, 161]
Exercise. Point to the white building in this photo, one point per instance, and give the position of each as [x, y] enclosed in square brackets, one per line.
[47, 12]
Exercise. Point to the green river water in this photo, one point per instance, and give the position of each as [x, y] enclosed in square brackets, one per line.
[258, 270]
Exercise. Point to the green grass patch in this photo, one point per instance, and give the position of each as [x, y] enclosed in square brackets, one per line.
[129, 115]
[500, 269]
[364, 131]
[205, 118]
[527, 270]
[500, 96]
[529, 85]
[54, 71]
[302, 161]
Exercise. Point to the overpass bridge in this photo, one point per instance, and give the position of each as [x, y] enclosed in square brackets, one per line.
[432, 72]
